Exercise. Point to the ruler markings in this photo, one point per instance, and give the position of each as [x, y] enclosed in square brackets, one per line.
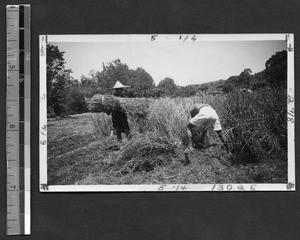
[18, 66]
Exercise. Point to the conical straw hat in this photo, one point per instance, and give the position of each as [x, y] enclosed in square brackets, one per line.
[119, 85]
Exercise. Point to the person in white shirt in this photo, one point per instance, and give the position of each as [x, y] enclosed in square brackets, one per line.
[204, 117]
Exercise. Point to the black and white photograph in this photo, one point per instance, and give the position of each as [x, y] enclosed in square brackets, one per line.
[182, 112]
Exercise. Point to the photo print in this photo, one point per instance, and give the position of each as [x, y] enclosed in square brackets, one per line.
[182, 112]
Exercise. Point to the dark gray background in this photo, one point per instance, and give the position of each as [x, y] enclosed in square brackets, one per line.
[197, 215]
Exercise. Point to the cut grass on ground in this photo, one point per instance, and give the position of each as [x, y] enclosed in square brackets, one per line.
[76, 155]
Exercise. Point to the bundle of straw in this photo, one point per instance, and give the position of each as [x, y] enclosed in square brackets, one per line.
[135, 107]
[104, 103]
[143, 153]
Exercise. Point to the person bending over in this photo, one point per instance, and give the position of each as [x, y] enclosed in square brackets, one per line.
[204, 117]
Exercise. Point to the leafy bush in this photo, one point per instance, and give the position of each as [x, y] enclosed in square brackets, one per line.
[76, 102]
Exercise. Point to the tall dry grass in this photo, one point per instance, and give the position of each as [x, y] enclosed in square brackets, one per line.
[254, 123]
[258, 121]
[102, 124]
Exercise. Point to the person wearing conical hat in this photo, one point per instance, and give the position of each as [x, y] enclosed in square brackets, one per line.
[119, 87]
[119, 117]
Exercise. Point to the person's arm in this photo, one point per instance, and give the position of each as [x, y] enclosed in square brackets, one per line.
[189, 126]
[220, 135]
[190, 136]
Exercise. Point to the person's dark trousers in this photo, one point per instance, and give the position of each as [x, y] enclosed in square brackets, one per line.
[199, 138]
[127, 133]
[204, 140]
[119, 133]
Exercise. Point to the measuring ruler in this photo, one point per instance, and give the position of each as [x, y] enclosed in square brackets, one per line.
[18, 119]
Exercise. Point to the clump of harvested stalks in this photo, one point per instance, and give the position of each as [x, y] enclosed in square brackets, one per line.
[134, 107]
[142, 153]
[102, 124]
[169, 117]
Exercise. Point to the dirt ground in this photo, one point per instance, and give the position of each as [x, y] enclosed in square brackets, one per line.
[76, 155]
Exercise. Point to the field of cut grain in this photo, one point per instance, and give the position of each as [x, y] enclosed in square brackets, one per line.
[81, 150]
[78, 156]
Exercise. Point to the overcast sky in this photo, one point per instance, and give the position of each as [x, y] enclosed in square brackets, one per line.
[186, 62]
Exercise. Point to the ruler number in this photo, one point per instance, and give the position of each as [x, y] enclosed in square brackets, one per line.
[17, 67]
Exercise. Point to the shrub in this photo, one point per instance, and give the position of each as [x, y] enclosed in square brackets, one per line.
[75, 103]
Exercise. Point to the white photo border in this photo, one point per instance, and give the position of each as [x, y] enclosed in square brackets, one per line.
[289, 186]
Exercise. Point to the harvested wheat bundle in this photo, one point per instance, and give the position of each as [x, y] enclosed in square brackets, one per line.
[143, 153]
[135, 107]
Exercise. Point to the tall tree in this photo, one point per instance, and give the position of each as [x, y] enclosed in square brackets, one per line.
[276, 69]
[259, 80]
[139, 80]
[140, 83]
[112, 72]
[245, 78]
[168, 86]
[58, 78]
